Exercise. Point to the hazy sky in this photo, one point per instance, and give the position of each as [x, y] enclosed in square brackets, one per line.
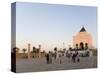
[50, 25]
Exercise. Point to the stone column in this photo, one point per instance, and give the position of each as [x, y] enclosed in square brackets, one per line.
[29, 47]
[39, 51]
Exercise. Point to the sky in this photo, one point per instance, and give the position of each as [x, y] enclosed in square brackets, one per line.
[53, 25]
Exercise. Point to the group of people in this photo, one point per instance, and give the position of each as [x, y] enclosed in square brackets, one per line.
[49, 58]
[73, 56]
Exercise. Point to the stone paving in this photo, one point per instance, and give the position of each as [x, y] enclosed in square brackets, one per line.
[34, 65]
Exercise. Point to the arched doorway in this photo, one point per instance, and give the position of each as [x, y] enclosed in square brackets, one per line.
[81, 45]
[86, 46]
[76, 46]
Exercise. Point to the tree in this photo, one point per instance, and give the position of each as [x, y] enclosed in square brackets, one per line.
[24, 50]
[55, 49]
[70, 48]
[16, 50]
[34, 49]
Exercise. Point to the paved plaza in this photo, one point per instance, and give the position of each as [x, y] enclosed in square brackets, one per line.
[34, 65]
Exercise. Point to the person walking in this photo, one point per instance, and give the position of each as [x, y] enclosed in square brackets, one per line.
[74, 57]
[47, 58]
[60, 58]
[77, 57]
[50, 57]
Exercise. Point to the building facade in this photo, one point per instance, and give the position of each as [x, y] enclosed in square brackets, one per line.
[82, 40]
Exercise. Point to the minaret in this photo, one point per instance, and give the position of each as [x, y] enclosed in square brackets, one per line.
[29, 56]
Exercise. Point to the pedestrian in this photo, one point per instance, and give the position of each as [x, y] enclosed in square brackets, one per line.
[47, 58]
[69, 56]
[78, 60]
[74, 57]
[60, 58]
[77, 56]
[55, 55]
[50, 57]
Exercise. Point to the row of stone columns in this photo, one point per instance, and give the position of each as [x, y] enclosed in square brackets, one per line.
[29, 51]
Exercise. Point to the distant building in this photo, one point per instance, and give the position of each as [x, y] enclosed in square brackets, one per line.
[82, 40]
